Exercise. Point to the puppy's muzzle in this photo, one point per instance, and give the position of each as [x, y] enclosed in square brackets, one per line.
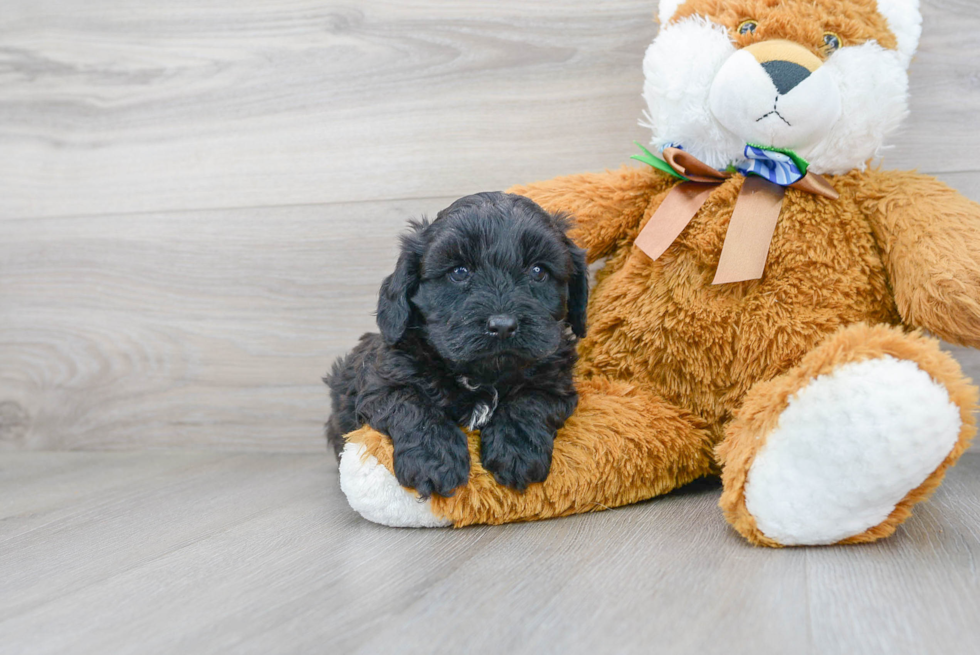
[502, 326]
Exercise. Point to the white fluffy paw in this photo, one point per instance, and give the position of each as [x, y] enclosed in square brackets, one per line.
[847, 449]
[374, 493]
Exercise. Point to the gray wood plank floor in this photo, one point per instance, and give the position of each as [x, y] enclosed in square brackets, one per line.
[164, 552]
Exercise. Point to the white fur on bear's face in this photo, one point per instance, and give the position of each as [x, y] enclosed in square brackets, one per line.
[745, 100]
[874, 91]
[681, 67]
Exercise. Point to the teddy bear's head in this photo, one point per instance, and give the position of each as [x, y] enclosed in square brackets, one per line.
[826, 79]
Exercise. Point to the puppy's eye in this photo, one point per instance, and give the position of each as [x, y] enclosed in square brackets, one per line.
[747, 27]
[459, 274]
[537, 273]
[831, 43]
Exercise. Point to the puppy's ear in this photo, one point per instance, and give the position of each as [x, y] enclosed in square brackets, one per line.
[395, 313]
[578, 291]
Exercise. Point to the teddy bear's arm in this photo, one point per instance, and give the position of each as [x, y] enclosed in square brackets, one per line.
[929, 236]
[607, 207]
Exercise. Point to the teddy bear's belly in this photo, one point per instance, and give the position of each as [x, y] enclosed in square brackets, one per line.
[702, 346]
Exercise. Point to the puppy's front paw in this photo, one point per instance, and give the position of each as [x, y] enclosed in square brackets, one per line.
[517, 455]
[437, 461]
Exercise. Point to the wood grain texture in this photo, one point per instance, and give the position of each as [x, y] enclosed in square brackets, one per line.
[209, 552]
[857, 606]
[198, 200]
[112, 107]
[190, 329]
[214, 104]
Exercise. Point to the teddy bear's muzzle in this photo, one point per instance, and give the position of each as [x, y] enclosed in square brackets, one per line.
[776, 94]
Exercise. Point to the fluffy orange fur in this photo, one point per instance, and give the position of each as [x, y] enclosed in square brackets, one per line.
[930, 237]
[854, 21]
[622, 445]
[701, 346]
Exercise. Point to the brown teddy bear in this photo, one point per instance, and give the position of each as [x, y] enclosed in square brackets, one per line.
[759, 311]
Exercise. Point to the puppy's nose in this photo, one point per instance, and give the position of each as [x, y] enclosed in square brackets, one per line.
[502, 326]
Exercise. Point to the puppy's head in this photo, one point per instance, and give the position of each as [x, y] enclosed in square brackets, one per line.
[493, 278]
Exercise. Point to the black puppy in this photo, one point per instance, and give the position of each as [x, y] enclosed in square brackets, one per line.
[474, 332]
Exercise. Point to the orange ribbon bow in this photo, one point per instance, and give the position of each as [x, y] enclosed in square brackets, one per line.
[746, 248]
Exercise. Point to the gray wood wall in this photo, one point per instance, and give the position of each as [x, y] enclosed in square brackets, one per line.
[199, 199]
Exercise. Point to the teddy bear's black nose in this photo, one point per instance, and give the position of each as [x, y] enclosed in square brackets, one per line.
[785, 75]
[502, 326]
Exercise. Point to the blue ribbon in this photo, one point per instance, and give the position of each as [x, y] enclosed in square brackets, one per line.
[773, 166]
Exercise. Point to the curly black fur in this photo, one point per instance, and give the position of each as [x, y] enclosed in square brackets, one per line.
[490, 347]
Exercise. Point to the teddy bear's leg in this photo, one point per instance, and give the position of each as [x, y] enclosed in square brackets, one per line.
[621, 446]
[841, 447]
[367, 480]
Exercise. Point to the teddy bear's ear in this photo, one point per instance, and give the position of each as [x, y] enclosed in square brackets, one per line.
[667, 10]
[905, 22]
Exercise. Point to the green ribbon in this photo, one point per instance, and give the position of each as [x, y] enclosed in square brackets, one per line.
[652, 160]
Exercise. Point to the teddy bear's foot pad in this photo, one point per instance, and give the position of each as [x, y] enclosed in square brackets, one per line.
[374, 493]
[847, 449]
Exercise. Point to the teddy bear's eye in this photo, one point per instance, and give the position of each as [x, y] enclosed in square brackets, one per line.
[831, 43]
[747, 27]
